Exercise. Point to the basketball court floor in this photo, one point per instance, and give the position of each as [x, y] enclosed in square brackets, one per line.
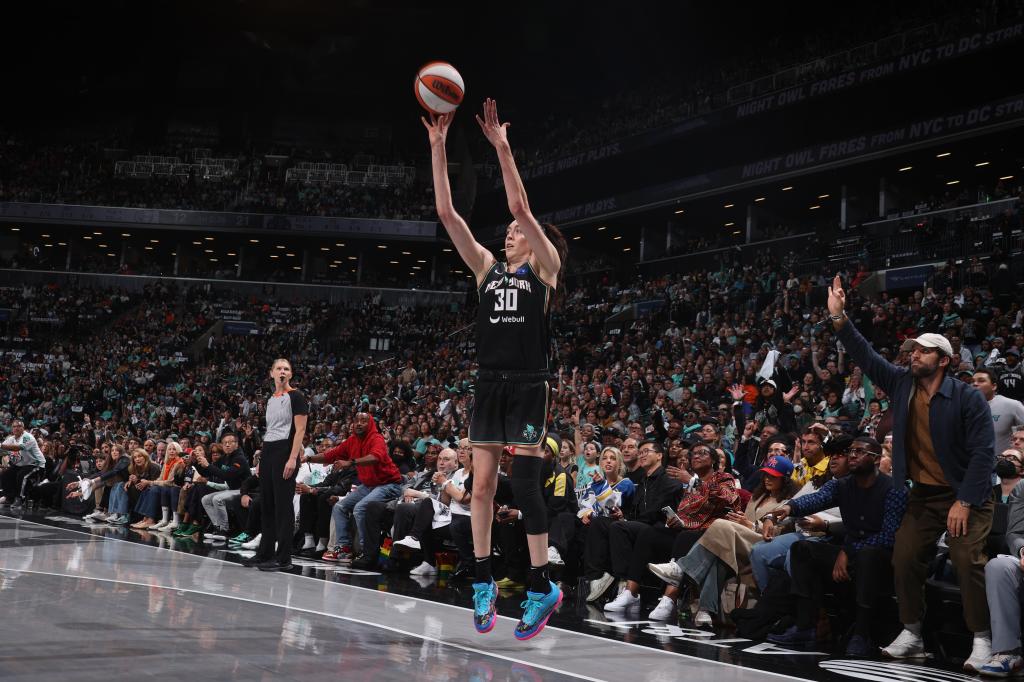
[95, 602]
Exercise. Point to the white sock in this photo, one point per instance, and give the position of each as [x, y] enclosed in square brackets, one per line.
[322, 545]
[165, 515]
[177, 518]
[309, 542]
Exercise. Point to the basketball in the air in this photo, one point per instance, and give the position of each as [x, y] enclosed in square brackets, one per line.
[439, 88]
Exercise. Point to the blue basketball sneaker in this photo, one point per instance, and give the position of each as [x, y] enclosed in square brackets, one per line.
[485, 611]
[538, 607]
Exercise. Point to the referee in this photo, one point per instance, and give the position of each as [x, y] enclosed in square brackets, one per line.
[287, 412]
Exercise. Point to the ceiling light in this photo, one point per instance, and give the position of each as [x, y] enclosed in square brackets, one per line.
[1006, 177]
[335, 261]
[274, 255]
[406, 253]
[953, 182]
[98, 234]
[394, 262]
[614, 238]
[759, 199]
[15, 229]
[905, 169]
[736, 232]
[353, 258]
[682, 210]
[62, 243]
[325, 248]
[340, 244]
[823, 196]
[232, 254]
[296, 267]
[111, 255]
[816, 206]
[980, 164]
[447, 250]
[280, 247]
[729, 224]
[148, 248]
[942, 155]
[209, 239]
[198, 243]
[332, 266]
[628, 248]
[213, 260]
[254, 241]
[603, 227]
[208, 250]
[728, 205]
[44, 236]
[576, 237]
[787, 188]
[381, 246]
[103, 246]
[85, 237]
[290, 255]
[421, 261]
[125, 234]
[48, 245]
[417, 267]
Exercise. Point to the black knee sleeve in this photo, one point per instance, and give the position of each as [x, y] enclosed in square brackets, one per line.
[526, 487]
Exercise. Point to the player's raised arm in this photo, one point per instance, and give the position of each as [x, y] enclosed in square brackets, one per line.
[542, 247]
[476, 257]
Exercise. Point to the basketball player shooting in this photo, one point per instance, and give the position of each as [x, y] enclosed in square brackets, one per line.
[513, 348]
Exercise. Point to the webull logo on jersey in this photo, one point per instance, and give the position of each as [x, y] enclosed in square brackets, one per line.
[508, 319]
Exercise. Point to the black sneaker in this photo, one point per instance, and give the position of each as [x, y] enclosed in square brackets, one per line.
[364, 563]
[274, 565]
[257, 561]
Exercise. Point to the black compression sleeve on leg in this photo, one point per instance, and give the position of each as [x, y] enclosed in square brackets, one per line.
[526, 487]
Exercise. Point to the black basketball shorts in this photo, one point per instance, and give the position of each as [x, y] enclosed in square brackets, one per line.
[510, 409]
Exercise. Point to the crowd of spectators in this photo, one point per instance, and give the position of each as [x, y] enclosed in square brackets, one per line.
[736, 379]
[83, 172]
[661, 99]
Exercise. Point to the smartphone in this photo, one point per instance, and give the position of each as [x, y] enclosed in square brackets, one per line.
[669, 513]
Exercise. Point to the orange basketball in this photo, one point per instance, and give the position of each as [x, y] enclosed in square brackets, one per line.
[439, 88]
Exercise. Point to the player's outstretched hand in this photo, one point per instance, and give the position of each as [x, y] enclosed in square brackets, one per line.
[495, 131]
[437, 127]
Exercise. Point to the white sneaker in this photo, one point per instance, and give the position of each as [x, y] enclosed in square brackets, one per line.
[624, 601]
[159, 525]
[254, 543]
[670, 572]
[702, 619]
[170, 527]
[1002, 665]
[409, 542]
[424, 569]
[118, 520]
[907, 645]
[554, 557]
[663, 611]
[97, 515]
[599, 587]
[981, 652]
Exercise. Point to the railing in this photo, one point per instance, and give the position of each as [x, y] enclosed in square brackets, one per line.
[955, 233]
[279, 290]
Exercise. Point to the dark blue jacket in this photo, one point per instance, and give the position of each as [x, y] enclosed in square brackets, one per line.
[959, 418]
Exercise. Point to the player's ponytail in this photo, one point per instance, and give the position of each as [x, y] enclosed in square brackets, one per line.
[562, 247]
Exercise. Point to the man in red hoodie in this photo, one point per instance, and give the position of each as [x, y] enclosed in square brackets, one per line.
[379, 481]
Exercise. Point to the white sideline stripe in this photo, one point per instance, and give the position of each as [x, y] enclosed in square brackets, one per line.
[606, 640]
[367, 623]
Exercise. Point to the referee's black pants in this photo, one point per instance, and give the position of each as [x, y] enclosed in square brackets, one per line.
[276, 495]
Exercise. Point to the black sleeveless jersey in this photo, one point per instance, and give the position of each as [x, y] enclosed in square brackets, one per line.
[512, 320]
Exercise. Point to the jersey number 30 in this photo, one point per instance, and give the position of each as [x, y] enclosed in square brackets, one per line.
[506, 299]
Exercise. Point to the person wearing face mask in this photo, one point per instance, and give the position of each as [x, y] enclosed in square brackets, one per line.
[1009, 466]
